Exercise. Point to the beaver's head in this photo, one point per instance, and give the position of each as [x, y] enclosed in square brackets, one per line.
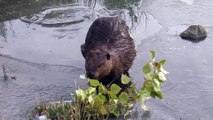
[98, 64]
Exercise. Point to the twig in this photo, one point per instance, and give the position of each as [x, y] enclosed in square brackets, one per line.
[4, 72]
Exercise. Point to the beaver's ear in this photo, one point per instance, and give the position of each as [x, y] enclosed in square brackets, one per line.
[108, 56]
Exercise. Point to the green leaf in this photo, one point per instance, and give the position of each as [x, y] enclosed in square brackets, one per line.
[133, 85]
[148, 84]
[156, 94]
[115, 88]
[163, 61]
[157, 83]
[153, 54]
[145, 91]
[148, 76]
[81, 94]
[112, 95]
[157, 89]
[102, 89]
[115, 111]
[103, 110]
[101, 98]
[125, 79]
[91, 99]
[153, 94]
[159, 95]
[146, 68]
[90, 90]
[162, 76]
[94, 82]
[123, 98]
[143, 100]
[131, 90]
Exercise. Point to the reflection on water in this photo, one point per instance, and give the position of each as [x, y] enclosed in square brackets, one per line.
[67, 21]
[78, 11]
[64, 12]
[35, 9]
[15, 9]
[60, 16]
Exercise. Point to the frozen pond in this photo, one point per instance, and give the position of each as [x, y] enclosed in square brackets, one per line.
[40, 46]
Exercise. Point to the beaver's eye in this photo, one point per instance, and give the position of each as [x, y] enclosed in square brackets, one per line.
[99, 65]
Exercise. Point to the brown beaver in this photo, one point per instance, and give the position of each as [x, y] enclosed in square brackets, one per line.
[109, 50]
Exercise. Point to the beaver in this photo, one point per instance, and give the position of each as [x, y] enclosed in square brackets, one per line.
[109, 50]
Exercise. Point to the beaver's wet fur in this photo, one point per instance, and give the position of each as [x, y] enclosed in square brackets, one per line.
[109, 50]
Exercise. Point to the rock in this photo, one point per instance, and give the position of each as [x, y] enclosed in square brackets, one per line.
[194, 33]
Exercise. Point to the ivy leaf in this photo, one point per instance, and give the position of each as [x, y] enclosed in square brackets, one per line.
[94, 82]
[153, 54]
[125, 79]
[115, 88]
[146, 68]
[123, 98]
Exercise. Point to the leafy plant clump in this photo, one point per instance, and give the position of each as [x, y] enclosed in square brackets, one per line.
[101, 102]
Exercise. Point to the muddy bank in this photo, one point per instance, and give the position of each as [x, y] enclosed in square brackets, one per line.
[34, 82]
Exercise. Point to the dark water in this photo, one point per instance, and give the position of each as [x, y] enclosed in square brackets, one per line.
[40, 45]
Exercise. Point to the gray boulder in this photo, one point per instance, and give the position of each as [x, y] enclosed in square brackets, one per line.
[194, 33]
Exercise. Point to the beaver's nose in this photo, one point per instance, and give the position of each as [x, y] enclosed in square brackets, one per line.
[91, 75]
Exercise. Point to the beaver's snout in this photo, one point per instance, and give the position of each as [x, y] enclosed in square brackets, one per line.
[91, 75]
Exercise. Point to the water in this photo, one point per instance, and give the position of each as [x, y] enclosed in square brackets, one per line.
[40, 46]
